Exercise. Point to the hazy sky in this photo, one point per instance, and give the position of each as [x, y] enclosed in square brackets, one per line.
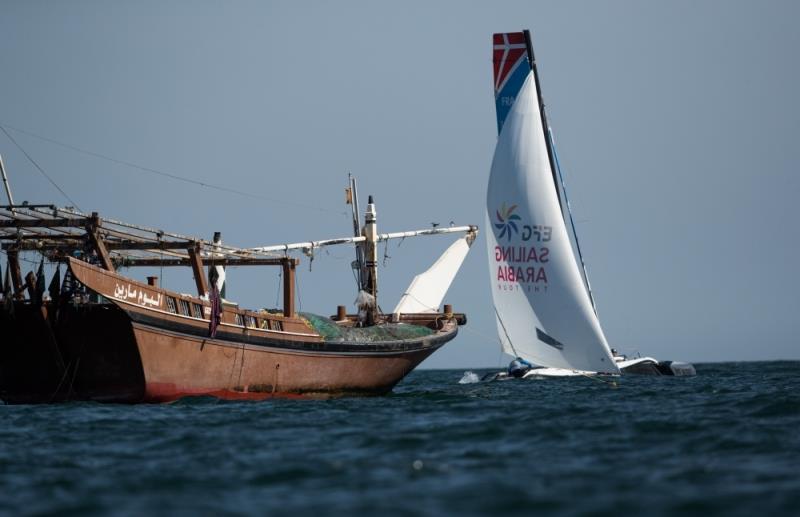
[677, 126]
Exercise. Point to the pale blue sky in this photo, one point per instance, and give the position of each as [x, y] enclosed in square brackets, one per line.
[676, 122]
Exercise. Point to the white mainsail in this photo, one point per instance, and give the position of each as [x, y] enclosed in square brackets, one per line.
[543, 310]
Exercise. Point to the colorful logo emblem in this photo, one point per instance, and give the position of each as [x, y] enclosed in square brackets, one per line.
[507, 221]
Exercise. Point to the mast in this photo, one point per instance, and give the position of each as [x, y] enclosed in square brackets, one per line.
[548, 141]
[12, 256]
[371, 262]
[5, 183]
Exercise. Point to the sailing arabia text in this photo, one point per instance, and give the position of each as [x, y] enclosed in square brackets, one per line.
[511, 255]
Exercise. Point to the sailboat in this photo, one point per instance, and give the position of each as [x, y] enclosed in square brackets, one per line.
[545, 312]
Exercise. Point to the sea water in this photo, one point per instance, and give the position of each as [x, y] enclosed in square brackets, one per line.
[726, 442]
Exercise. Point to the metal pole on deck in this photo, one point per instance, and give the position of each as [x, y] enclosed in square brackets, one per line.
[371, 251]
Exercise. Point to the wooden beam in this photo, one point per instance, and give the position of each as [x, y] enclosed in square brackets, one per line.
[197, 268]
[97, 242]
[102, 252]
[176, 262]
[72, 242]
[41, 246]
[138, 245]
[44, 223]
[42, 236]
[288, 287]
[26, 206]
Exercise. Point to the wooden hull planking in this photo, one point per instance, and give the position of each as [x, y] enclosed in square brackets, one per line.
[133, 348]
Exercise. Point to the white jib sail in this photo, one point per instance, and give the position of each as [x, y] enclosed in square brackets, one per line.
[542, 307]
[427, 290]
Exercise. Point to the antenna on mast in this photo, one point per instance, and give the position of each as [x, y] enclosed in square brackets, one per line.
[371, 263]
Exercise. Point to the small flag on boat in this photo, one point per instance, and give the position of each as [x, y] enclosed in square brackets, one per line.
[216, 274]
[8, 292]
[55, 285]
[67, 287]
[39, 291]
[216, 310]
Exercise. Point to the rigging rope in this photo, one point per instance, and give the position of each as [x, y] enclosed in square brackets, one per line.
[39, 167]
[505, 331]
[176, 177]
[572, 221]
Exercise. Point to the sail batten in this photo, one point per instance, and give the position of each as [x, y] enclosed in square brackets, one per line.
[544, 311]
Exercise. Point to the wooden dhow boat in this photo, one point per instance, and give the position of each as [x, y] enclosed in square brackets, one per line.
[103, 336]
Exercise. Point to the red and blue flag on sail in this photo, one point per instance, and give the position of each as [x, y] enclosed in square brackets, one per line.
[511, 67]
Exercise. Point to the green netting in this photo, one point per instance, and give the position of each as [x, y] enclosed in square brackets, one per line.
[330, 331]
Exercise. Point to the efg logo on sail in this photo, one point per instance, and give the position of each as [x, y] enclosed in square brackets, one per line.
[507, 221]
[521, 266]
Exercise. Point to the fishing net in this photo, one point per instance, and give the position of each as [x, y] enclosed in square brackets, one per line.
[330, 331]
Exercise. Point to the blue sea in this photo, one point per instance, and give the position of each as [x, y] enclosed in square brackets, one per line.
[726, 442]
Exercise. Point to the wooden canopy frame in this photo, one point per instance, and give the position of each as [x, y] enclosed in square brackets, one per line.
[58, 233]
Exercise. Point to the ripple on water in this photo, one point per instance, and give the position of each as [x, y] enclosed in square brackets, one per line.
[724, 442]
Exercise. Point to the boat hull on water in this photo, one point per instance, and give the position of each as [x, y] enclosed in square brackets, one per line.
[125, 341]
[637, 366]
[650, 366]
